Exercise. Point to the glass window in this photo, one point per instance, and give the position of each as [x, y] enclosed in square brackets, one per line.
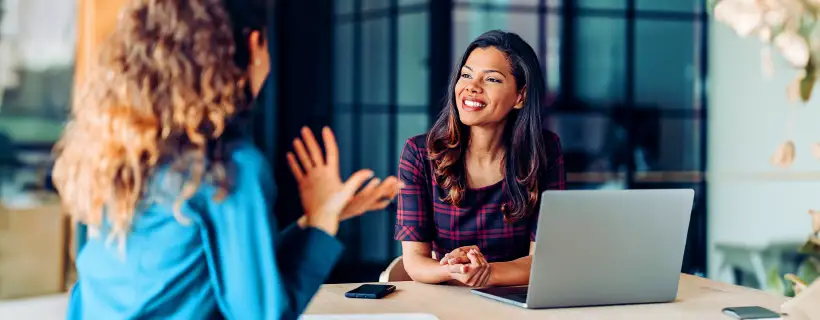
[375, 73]
[506, 2]
[599, 60]
[374, 142]
[670, 5]
[403, 3]
[36, 69]
[344, 6]
[374, 131]
[468, 24]
[584, 140]
[603, 4]
[552, 59]
[343, 130]
[678, 145]
[413, 67]
[674, 62]
[343, 63]
[409, 125]
[375, 4]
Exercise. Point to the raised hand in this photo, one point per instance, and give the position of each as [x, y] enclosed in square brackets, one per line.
[318, 174]
[375, 196]
[323, 194]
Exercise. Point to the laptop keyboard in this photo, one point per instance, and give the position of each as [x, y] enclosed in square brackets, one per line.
[518, 297]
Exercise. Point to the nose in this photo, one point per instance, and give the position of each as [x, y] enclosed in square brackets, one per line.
[473, 86]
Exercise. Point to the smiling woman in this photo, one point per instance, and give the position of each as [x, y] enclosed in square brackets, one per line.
[473, 182]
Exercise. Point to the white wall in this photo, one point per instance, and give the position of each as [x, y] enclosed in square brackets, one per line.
[747, 120]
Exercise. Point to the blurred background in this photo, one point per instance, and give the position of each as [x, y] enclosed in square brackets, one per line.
[628, 96]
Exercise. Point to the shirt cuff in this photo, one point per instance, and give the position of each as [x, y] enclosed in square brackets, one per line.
[408, 233]
[323, 250]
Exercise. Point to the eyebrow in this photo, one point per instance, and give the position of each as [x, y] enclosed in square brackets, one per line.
[486, 70]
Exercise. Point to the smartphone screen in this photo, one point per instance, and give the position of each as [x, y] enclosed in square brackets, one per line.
[751, 312]
[371, 291]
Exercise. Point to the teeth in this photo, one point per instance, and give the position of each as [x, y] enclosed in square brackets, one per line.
[474, 104]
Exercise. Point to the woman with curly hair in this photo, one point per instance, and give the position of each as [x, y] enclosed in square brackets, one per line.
[176, 198]
[473, 182]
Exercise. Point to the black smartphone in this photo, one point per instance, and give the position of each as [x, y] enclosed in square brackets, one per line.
[751, 312]
[371, 291]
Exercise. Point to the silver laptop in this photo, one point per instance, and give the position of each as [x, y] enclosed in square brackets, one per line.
[602, 247]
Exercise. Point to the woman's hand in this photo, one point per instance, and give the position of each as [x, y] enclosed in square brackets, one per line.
[476, 273]
[323, 194]
[373, 197]
[457, 256]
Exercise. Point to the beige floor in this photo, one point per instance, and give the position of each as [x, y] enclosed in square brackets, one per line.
[40, 308]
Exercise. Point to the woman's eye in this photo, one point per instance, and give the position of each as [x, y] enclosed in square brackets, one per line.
[493, 80]
[465, 76]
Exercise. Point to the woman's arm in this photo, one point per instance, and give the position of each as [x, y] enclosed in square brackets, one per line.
[420, 265]
[414, 218]
[257, 272]
[511, 273]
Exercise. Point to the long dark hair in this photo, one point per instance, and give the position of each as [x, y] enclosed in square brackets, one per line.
[525, 156]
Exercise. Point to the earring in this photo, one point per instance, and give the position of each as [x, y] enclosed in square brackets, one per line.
[257, 62]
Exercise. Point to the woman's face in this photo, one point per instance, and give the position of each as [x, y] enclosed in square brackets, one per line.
[259, 66]
[486, 91]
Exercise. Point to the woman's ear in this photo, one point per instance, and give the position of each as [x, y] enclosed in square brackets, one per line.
[522, 96]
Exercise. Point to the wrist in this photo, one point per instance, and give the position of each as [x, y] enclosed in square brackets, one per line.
[493, 280]
[330, 225]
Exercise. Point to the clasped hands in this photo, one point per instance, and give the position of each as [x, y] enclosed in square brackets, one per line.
[467, 266]
[325, 198]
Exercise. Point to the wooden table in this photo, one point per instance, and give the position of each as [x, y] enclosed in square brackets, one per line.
[698, 298]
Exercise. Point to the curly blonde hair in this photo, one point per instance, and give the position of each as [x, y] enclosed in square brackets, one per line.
[162, 89]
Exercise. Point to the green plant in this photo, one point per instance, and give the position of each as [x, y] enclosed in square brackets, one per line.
[791, 27]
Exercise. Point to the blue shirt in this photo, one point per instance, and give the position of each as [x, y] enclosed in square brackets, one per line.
[229, 261]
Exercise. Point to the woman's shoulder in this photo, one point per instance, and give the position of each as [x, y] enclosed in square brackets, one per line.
[416, 146]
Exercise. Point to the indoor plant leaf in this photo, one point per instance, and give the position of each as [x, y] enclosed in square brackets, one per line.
[774, 283]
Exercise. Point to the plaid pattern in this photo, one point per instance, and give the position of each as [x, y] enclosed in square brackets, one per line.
[423, 217]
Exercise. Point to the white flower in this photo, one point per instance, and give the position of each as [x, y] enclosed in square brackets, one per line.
[793, 47]
[743, 16]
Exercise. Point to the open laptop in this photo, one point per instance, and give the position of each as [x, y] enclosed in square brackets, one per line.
[604, 247]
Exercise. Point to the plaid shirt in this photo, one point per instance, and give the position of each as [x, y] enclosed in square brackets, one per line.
[423, 217]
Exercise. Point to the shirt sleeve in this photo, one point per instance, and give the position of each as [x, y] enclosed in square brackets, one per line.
[414, 219]
[259, 273]
[555, 177]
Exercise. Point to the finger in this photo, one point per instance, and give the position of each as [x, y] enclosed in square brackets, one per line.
[355, 182]
[458, 268]
[370, 187]
[485, 278]
[477, 277]
[444, 260]
[313, 147]
[301, 152]
[473, 256]
[459, 260]
[378, 205]
[331, 148]
[295, 168]
[390, 188]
